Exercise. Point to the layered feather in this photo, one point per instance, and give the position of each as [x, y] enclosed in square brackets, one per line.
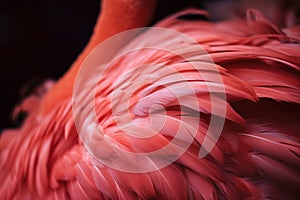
[254, 155]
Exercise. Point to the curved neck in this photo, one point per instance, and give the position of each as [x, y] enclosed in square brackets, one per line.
[115, 16]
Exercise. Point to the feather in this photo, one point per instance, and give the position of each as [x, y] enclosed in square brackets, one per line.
[277, 172]
[190, 99]
[276, 145]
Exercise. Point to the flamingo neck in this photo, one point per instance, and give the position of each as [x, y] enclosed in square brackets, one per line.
[116, 16]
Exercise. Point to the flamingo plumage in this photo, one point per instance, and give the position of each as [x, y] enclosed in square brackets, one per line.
[256, 155]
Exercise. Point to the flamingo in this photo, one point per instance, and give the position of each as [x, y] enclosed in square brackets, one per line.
[223, 97]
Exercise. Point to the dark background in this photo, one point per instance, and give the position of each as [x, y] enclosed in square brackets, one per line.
[41, 38]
